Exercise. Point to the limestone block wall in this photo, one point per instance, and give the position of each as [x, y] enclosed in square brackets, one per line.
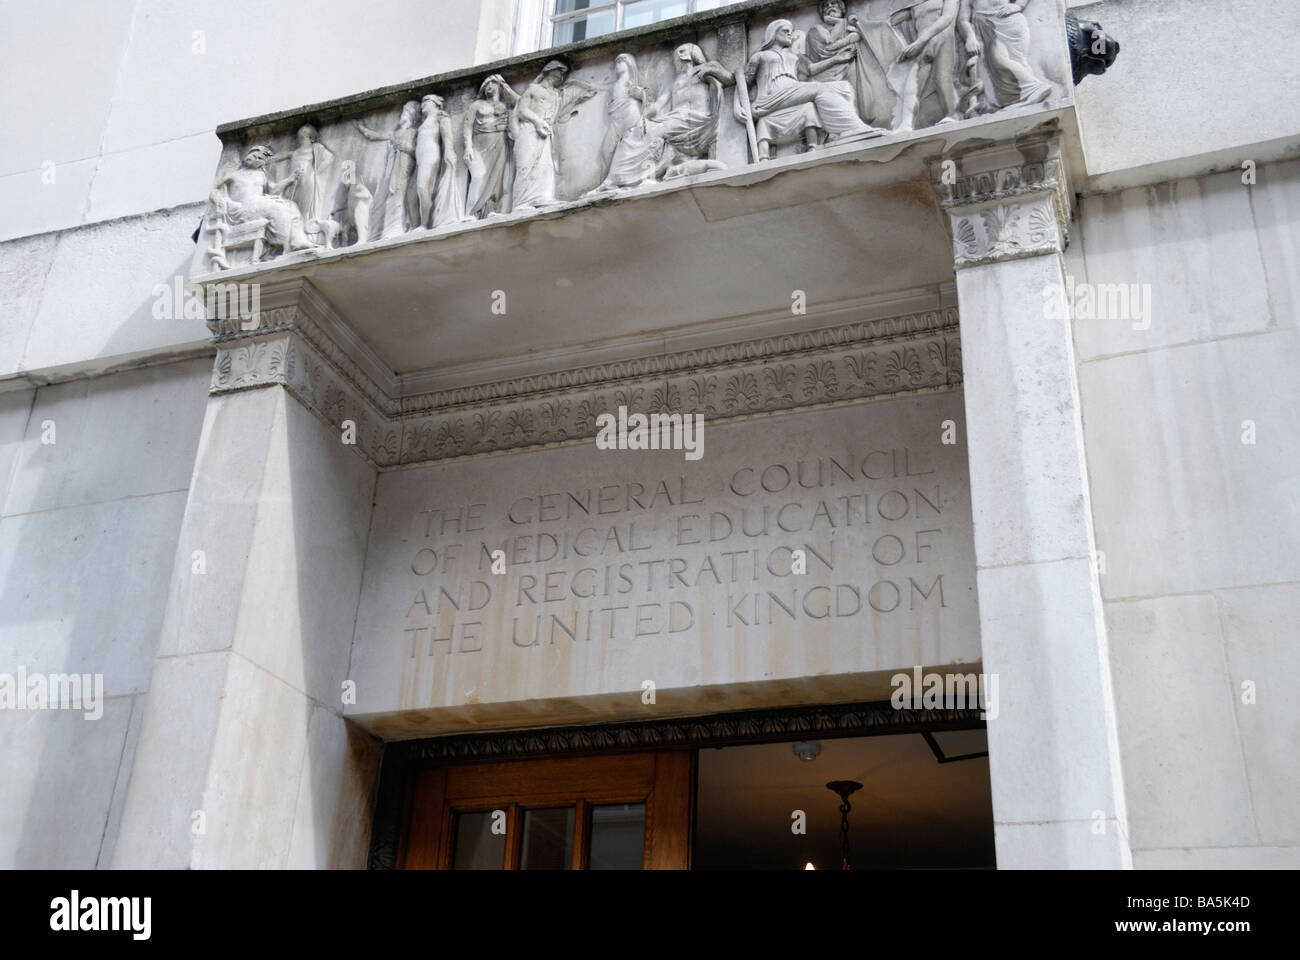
[1193, 78]
[1198, 519]
[119, 100]
[88, 529]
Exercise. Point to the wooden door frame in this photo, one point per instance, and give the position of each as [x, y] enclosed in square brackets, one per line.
[404, 761]
[664, 780]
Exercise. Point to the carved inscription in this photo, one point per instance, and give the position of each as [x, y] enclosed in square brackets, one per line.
[860, 536]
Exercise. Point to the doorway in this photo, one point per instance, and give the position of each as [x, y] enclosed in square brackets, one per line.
[714, 792]
[626, 811]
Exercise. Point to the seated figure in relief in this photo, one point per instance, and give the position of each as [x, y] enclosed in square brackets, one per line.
[675, 135]
[686, 116]
[787, 104]
[245, 193]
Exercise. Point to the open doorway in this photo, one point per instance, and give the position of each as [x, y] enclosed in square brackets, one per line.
[767, 806]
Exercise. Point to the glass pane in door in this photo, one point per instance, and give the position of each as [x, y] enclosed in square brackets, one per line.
[617, 836]
[548, 839]
[477, 847]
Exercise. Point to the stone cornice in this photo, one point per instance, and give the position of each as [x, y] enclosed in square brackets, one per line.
[295, 343]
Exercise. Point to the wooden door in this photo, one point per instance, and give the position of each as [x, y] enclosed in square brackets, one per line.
[574, 813]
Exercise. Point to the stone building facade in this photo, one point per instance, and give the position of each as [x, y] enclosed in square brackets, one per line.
[969, 352]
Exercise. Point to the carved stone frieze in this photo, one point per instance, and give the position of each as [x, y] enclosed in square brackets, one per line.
[728, 90]
[302, 347]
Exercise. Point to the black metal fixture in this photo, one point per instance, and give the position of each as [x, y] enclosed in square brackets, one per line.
[844, 788]
[938, 752]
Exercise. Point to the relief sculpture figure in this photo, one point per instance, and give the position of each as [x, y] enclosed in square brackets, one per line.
[397, 210]
[547, 102]
[487, 152]
[628, 153]
[928, 64]
[249, 210]
[1000, 29]
[788, 105]
[837, 49]
[686, 117]
[435, 166]
[310, 164]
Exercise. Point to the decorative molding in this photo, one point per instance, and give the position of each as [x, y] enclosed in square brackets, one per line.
[1005, 201]
[296, 344]
[405, 758]
[839, 369]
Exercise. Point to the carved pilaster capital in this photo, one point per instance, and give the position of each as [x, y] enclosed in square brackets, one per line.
[1005, 200]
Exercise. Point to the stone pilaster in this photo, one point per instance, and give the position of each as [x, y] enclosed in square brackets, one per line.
[1054, 761]
[244, 758]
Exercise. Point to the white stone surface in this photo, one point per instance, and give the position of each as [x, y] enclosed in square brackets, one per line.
[280, 507]
[98, 298]
[1259, 632]
[308, 547]
[130, 434]
[1049, 742]
[1053, 749]
[124, 88]
[171, 763]
[158, 177]
[336, 792]
[23, 268]
[1133, 115]
[1183, 765]
[1276, 204]
[60, 774]
[15, 409]
[1027, 483]
[33, 205]
[229, 470]
[251, 790]
[1182, 504]
[1219, 858]
[1056, 844]
[1194, 244]
[83, 588]
[714, 650]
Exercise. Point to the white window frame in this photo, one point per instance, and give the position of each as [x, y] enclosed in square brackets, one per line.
[535, 23]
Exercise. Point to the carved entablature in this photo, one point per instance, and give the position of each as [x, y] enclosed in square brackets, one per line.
[699, 97]
[1006, 200]
[297, 342]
